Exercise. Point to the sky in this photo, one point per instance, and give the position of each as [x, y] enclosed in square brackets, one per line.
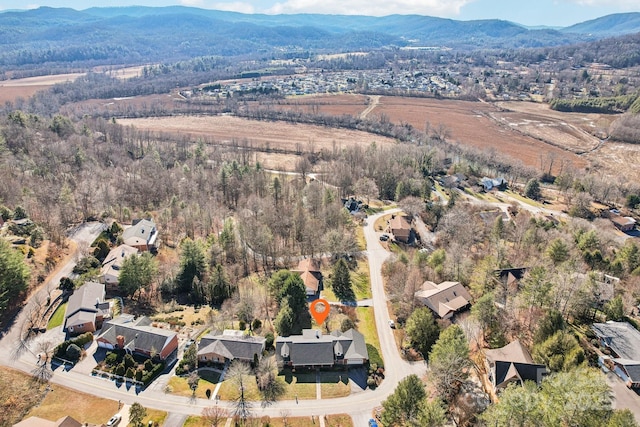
[525, 12]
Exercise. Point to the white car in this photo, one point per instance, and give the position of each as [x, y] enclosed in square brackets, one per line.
[114, 421]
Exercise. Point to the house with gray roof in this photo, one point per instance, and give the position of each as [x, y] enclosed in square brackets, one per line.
[86, 309]
[512, 364]
[142, 235]
[623, 341]
[313, 349]
[110, 272]
[230, 345]
[138, 336]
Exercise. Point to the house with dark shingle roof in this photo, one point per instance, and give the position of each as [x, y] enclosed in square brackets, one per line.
[138, 336]
[86, 309]
[228, 346]
[313, 349]
[309, 271]
[623, 341]
[512, 364]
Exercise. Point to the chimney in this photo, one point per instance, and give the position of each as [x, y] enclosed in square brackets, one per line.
[120, 341]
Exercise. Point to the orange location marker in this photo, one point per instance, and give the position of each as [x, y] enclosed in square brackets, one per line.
[319, 310]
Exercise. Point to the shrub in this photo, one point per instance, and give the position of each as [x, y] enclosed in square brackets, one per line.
[73, 352]
[129, 373]
[120, 369]
[111, 359]
[269, 338]
[257, 324]
[139, 375]
[242, 325]
[129, 362]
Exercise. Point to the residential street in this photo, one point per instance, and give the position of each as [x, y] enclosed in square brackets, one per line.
[359, 406]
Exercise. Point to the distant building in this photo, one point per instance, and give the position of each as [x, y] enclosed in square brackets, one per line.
[142, 235]
[623, 223]
[86, 309]
[400, 227]
[445, 299]
[113, 263]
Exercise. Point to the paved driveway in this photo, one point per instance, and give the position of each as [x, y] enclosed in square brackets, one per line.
[623, 397]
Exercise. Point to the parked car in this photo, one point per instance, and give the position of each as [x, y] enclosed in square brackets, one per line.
[114, 421]
[373, 423]
[392, 324]
[384, 237]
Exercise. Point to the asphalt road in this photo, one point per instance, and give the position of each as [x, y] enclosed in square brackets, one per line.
[359, 405]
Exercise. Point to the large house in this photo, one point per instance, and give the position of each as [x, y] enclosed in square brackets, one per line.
[230, 345]
[138, 336]
[86, 309]
[400, 227]
[512, 364]
[623, 341]
[445, 299]
[113, 263]
[309, 271]
[142, 235]
[313, 349]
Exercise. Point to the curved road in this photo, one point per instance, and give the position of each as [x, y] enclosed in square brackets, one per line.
[358, 405]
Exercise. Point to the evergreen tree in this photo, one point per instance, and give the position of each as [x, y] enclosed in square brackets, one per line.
[192, 265]
[341, 281]
[137, 272]
[137, 412]
[402, 407]
[449, 361]
[422, 330]
[532, 189]
[14, 274]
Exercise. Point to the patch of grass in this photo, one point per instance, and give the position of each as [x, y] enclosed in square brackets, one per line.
[85, 408]
[360, 281]
[360, 240]
[300, 384]
[18, 394]
[155, 416]
[338, 420]
[367, 327]
[58, 316]
[229, 390]
[523, 199]
[334, 384]
[208, 381]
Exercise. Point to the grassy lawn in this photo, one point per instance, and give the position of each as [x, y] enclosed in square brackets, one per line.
[208, 381]
[301, 384]
[523, 199]
[58, 316]
[83, 407]
[229, 390]
[18, 394]
[338, 420]
[360, 240]
[154, 415]
[381, 223]
[334, 384]
[360, 281]
[367, 326]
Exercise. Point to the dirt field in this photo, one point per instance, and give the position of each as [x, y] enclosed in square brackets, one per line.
[325, 104]
[260, 134]
[10, 90]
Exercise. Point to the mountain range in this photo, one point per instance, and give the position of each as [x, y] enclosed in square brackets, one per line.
[141, 34]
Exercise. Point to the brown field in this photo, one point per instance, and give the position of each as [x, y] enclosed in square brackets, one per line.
[10, 90]
[264, 135]
[325, 104]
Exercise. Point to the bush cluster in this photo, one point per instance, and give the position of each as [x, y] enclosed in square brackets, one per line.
[79, 341]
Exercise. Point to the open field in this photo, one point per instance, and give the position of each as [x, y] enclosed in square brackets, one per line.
[263, 135]
[335, 105]
[338, 420]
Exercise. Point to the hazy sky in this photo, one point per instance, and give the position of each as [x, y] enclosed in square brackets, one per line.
[527, 12]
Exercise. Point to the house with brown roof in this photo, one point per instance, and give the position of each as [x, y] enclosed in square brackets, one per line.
[445, 299]
[41, 422]
[623, 223]
[512, 364]
[309, 271]
[230, 345]
[142, 235]
[133, 335]
[400, 227]
[313, 349]
[113, 263]
[86, 309]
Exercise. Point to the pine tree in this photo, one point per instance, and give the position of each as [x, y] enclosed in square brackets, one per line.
[341, 282]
